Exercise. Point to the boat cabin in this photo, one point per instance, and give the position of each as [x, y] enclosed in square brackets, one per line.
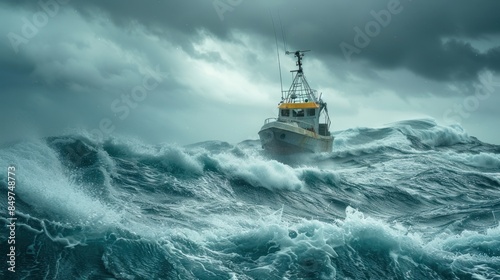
[306, 115]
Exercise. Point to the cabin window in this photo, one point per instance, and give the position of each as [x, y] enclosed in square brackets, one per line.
[285, 112]
[311, 112]
[298, 112]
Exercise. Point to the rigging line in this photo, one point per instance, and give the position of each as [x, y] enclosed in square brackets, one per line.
[278, 53]
[282, 32]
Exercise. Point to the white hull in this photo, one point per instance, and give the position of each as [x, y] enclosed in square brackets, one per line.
[286, 137]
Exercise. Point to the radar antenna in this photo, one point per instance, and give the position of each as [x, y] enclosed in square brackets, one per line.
[298, 54]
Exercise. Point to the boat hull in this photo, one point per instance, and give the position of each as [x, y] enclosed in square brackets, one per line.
[286, 138]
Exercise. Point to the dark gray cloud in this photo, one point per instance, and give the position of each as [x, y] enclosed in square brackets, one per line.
[220, 60]
[414, 38]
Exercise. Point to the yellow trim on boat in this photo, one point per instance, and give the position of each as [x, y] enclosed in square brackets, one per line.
[298, 105]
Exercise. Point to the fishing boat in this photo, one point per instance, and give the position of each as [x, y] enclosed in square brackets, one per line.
[303, 123]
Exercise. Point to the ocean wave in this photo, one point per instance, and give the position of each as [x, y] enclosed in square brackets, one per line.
[403, 136]
[411, 200]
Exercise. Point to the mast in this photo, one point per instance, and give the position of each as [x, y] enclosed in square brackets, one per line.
[300, 91]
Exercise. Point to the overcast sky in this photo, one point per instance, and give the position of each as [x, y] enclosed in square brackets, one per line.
[189, 71]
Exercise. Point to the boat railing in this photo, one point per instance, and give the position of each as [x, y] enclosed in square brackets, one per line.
[268, 120]
[297, 121]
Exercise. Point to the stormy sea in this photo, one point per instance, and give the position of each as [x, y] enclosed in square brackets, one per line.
[410, 200]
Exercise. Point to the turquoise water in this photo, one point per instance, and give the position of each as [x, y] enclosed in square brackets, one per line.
[412, 200]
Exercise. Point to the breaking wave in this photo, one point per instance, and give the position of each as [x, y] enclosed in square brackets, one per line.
[412, 200]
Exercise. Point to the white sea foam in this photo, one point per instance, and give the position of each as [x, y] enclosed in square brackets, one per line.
[215, 228]
[433, 134]
[42, 183]
[482, 159]
[356, 141]
[176, 157]
[486, 160]
[257, 171]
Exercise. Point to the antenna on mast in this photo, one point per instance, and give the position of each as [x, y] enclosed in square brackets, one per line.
[298, 55]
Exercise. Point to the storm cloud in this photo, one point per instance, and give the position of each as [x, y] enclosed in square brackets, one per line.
[187, 71]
